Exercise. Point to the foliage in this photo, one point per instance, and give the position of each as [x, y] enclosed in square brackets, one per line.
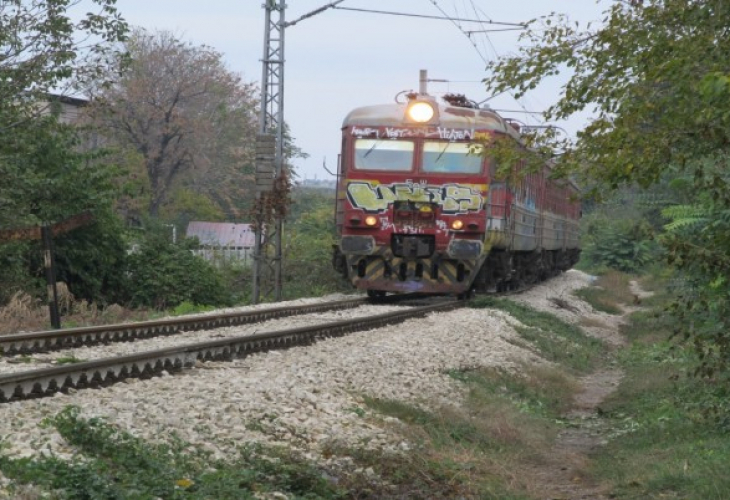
[53, 179]
[657, 75]
[186, 205]
[47, 175]
[46, 48]
[697, 239]
[191, 119]
[189, 308]
[654, 72]
[116, 465]
[660, 446]
[308, 255]
[164, 274]
[622, 244]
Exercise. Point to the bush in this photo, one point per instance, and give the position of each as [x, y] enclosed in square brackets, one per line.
[162, 274]
[625, 245]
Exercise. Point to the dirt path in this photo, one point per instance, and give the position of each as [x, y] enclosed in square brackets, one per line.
[562, 474]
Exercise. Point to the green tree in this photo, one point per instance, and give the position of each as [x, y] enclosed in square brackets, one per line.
[56, 180]
[308, 251]
[656, 74]
[44, 175]
[43, 49]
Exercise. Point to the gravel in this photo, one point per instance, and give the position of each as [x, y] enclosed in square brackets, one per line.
[304, 397]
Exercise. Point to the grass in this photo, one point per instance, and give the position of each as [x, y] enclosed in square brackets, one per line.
[117, 465]
[662, 445]
[555, 339]
[190, 308]
[610, 294]
[598, 300]
[476, 450]
[472, 451]
[23, 313]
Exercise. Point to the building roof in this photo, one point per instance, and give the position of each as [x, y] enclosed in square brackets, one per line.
[222, 234]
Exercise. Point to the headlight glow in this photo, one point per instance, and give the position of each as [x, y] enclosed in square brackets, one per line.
[457, 224]
[420, 112]
[371, 220]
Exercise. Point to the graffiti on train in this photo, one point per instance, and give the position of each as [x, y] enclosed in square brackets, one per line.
[452, 198]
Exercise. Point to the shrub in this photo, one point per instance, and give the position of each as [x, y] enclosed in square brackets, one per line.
[163, 274]
[622, 244]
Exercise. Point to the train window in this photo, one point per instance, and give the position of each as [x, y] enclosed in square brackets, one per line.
[383, 154]
[452, 157]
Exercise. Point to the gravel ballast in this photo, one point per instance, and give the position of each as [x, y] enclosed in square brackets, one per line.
[304, 397]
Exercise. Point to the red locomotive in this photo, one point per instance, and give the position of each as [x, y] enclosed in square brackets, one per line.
[418, 211]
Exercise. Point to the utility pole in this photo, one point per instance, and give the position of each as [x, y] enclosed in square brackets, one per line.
[271, 175]
[267, 262]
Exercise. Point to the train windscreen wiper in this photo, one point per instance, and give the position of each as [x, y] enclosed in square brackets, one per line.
[442, 153]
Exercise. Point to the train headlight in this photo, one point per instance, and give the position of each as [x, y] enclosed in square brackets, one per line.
[457, 225]
[371, 220]
[420, 111]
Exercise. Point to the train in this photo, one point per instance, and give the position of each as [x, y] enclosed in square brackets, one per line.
[420, 207]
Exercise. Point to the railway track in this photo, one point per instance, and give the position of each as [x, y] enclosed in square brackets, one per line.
[54, 340]
[47, 381]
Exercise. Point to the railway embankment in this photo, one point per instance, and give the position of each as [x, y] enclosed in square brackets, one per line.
[504, 398]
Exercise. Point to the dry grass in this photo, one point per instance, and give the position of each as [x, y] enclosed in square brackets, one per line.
[23, 313]
[481, 448]
[593, 323]
[617, 284]
[611, 293]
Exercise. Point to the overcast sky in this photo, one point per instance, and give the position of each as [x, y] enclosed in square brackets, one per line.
[339, 60]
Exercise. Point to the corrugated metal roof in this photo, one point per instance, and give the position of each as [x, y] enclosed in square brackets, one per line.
[222, 234]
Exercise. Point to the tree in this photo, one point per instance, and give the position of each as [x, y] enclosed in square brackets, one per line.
[657, 75]
[308, 250]
[53, 180]
[43, 49]
[192, 120]
[44, 175]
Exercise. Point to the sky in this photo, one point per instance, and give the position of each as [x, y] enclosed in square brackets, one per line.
[339, 60]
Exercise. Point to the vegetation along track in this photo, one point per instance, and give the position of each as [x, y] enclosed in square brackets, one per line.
[47, 381]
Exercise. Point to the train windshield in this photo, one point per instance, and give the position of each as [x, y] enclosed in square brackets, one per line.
[451, 157]
[383, 154]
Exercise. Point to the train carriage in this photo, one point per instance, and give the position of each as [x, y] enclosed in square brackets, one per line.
[418, 209]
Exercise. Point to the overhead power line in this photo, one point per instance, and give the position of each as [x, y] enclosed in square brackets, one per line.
[423, 16]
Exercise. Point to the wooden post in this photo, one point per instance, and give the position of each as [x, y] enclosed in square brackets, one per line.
[50, 265]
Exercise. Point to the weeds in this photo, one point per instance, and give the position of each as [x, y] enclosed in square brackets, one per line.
[190, 308]
[598, 300]
[662, 445]
[610, 293]
[556, 340]
[459, 454]
[115, 465]
[477, 449]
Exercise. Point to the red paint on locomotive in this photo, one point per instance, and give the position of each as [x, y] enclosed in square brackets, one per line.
[418, 210]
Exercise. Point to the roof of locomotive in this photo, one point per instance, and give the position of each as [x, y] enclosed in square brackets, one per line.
[391, 115]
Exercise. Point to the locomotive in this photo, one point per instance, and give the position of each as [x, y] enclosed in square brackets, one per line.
[418, 209]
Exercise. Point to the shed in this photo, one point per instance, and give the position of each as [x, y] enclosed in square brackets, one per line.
[223, 241]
